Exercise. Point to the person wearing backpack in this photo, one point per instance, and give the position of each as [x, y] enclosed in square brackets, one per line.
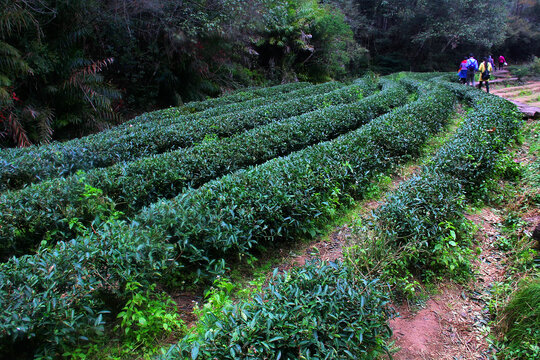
[462, 71]
[492, 62]
[485, 69]
[502, 62]
[472, 66]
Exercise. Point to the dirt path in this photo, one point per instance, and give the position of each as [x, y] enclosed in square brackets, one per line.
[453, 323]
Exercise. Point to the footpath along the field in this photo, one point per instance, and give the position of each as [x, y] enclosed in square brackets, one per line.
[27, 215]
[207, 229]
[35, 164]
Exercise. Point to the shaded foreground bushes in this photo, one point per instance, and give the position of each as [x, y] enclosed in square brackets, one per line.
[318, 311]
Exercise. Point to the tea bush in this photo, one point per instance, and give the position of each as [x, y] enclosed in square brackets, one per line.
[34, 164]
[62, 296]
[318, 311]
[292, 195]
[44, 209]
[148, 120]
[425, 210]
[233, 98]
[201, 231]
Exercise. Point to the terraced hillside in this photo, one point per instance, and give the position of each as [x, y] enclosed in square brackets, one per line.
[186, 195]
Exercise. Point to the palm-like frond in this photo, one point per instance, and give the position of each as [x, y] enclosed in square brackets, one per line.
[16, 130]
[14, 17]
[43, 118]
[11, 61]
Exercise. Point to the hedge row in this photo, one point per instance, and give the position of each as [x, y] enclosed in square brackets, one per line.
[235, 97]
[64, 295]
[417, 214]
[290, 196]
[168, 116]
[226, 110]
[318, 311]
[37, 164]
[28, 214]
[56, 295]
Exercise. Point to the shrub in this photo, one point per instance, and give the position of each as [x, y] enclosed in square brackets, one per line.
[34, 164]
[315, 311]
[422, 217]
[236, 97]
[291, 196]
[45, 209]
[203, 230]
[170, 116]
[62, 296]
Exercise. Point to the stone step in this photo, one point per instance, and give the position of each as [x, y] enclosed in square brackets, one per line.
[529, 112]
[504, 80]
[534, 87]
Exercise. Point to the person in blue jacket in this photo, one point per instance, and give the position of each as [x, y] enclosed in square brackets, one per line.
[472, 67]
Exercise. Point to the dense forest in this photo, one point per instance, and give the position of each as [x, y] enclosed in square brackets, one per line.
[72, 67]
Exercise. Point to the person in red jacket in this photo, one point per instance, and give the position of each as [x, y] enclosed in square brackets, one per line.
[462, 71]
[502, 61]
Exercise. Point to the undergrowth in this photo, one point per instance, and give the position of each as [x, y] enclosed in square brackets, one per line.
[515, 302]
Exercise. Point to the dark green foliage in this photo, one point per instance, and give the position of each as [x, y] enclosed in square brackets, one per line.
[209, 228]
[248, 97]
[424, 212]
[425, 35]
[58, 90]
[415, 213]
[471, 156]
[129, 143]
[291, 196]
[318, 311]
[27, 215]
[62, 296]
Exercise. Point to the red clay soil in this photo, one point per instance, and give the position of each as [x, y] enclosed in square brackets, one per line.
[452, 324]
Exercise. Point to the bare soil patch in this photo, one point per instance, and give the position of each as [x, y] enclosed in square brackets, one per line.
[453, 323]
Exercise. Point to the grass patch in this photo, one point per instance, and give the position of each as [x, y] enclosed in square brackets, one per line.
[515, 302]
[521, 323]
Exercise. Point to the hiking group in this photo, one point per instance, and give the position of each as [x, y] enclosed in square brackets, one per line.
[469, 66]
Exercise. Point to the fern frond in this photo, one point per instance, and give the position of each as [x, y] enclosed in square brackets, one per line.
[5, 98]
[14, 18]
[17, 131]
[44, 118]
[74, 37]
[11, 60]
[93, 68]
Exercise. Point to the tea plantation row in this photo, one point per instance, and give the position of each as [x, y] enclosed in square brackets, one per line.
[170, 116]
[293, 195]
[317, 311]
[105, 149]
[234, 98]
[27, 215]
[61, 293]
[419, 212]
[413, 216]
